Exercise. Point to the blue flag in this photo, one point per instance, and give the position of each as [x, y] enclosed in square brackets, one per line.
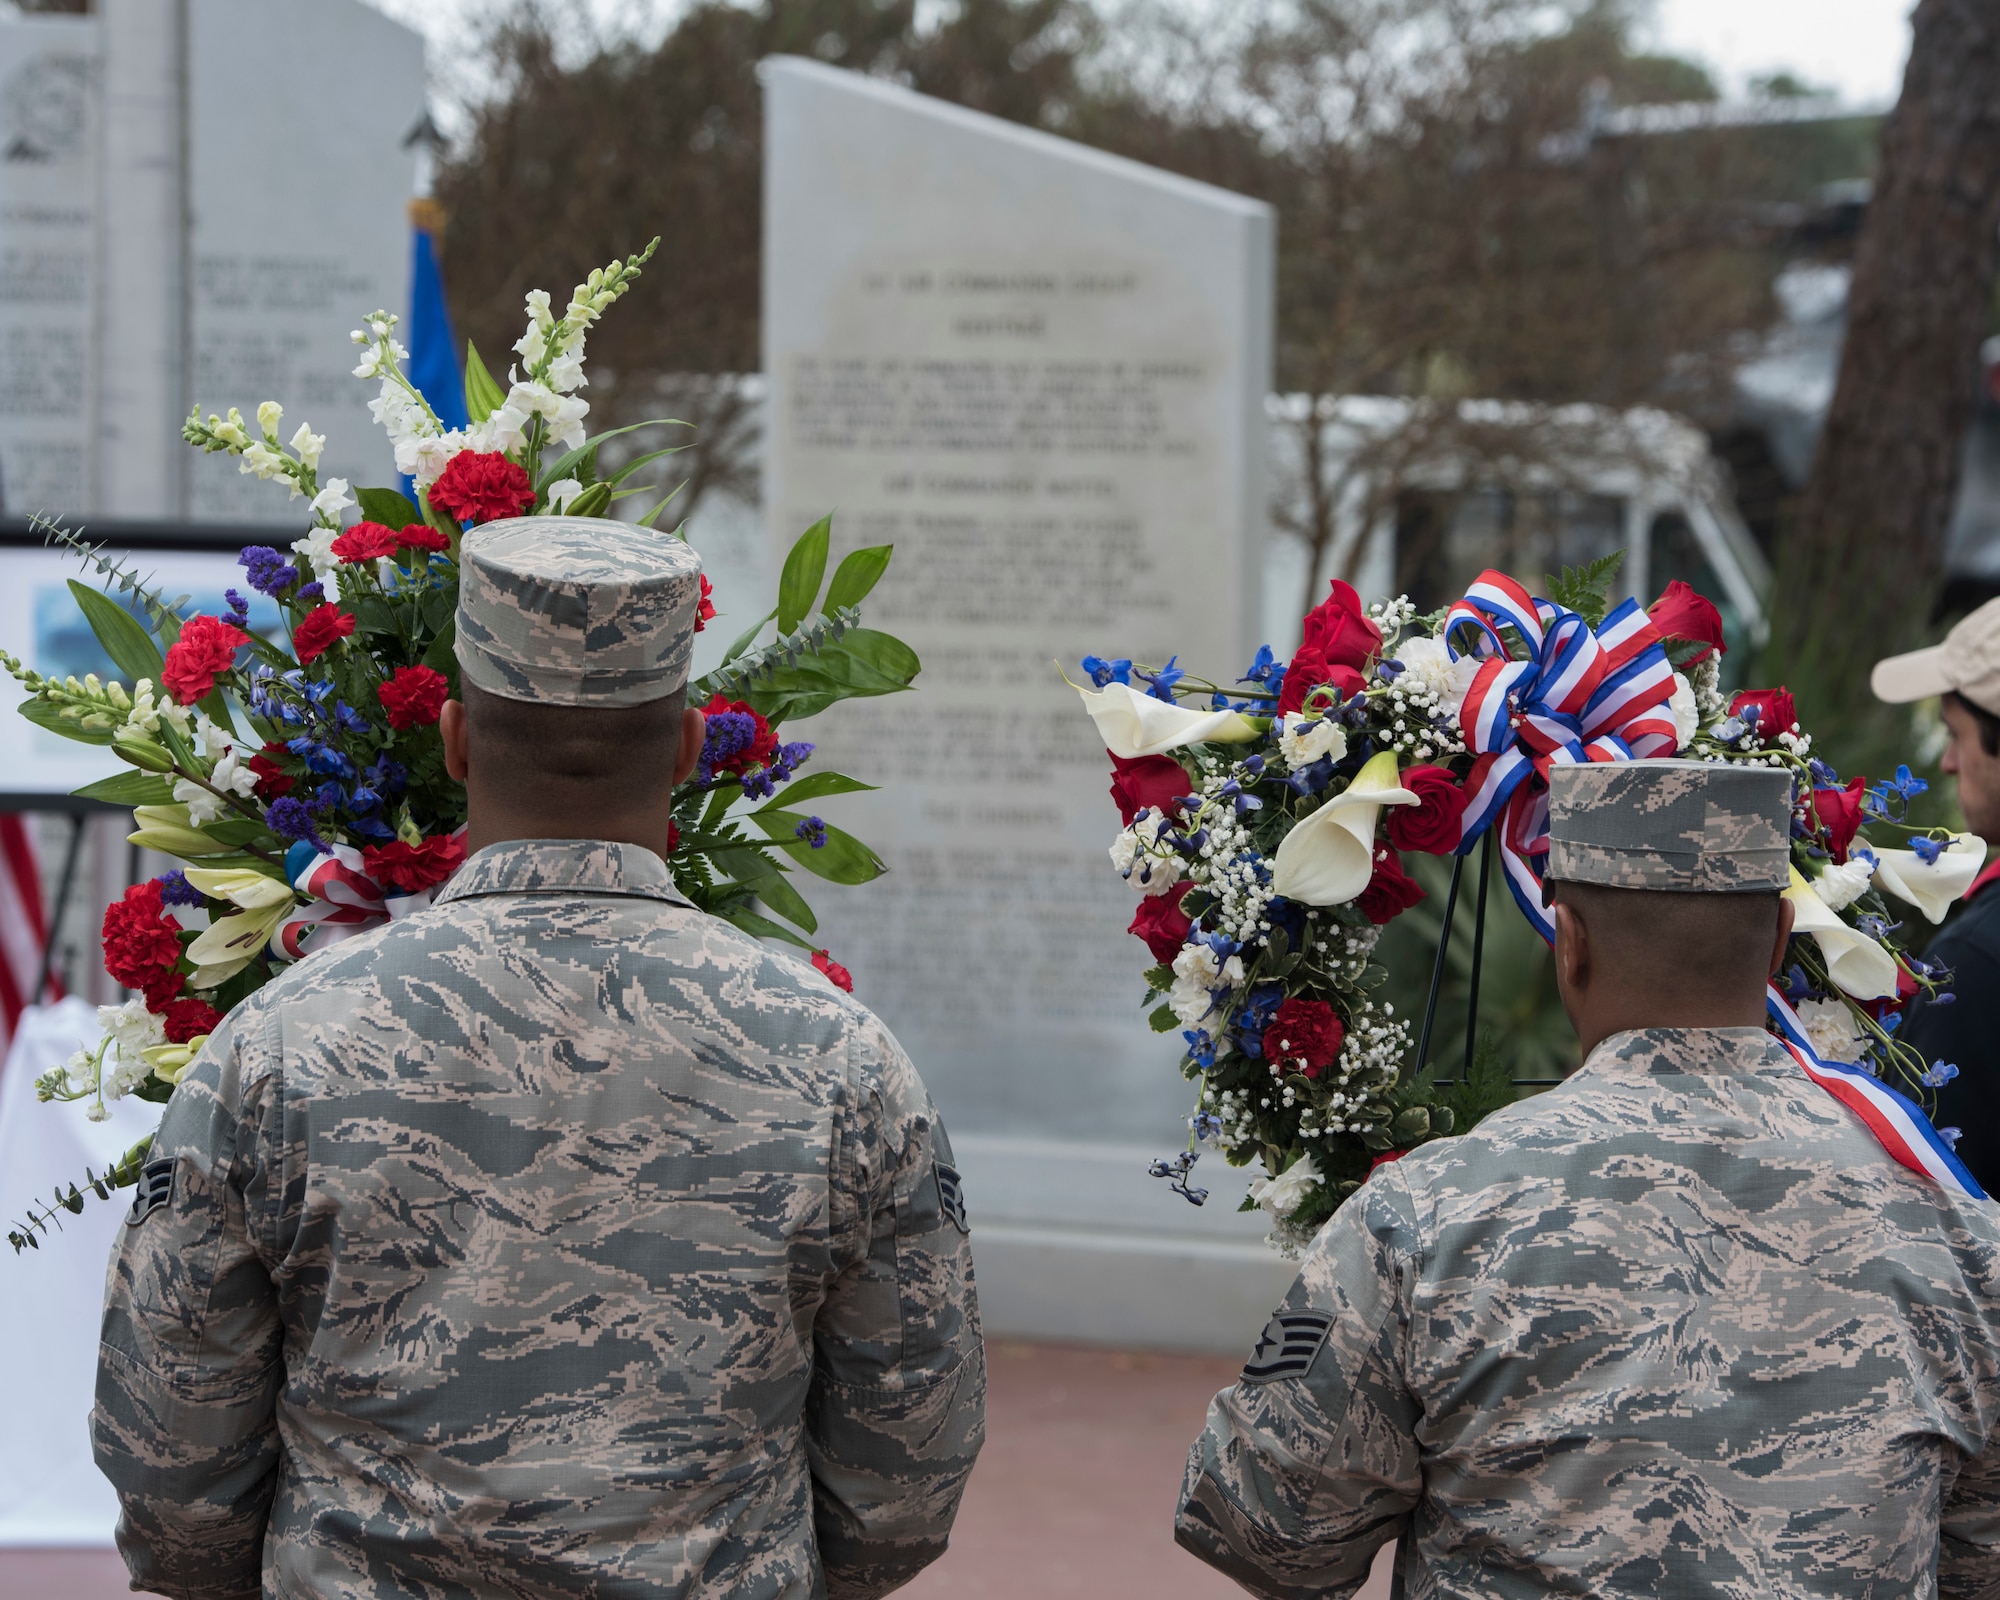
[433, 349]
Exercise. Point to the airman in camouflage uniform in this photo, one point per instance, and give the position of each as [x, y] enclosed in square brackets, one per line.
[555, 1240]
[1676, 1328]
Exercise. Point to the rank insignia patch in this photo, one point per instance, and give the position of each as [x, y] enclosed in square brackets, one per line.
[156, 1188]
[951, 1197]
[1290, 1341]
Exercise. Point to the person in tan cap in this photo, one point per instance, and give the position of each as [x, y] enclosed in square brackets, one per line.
[1964, 673]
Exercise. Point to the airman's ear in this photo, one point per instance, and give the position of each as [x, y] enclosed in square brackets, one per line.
[451, 724]
[1787, 915]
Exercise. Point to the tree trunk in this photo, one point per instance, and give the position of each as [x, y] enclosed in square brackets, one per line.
[1861, 563]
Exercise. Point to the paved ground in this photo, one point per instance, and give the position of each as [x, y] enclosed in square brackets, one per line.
[1073, 1497]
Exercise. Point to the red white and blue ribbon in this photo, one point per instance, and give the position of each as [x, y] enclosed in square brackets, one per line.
[1577, 694]
[1898, 1124]
[345, 901]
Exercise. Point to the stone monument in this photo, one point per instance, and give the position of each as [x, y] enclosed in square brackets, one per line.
[1039, 371]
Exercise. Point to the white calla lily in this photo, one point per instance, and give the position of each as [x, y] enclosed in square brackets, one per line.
[1132, 724]
[1855, 962]
[1329, 857]
[1931, 886]
[230, 943]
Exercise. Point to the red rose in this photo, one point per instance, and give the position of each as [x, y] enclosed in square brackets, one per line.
[1308, 670]
[324, 627]
[761, 745]
[205, 650]
[367, 541]
[836, 974]
[1339, 630]
[704, 613]
[422, 536]
[413, 868]
[1162, 924]
[413, 696]
[480, 487]
[1839, 812]
[185, 1019]
[272, 779]
[1775, 712]
[1684, 612]
[1307, 1031]
[141, 944]
[1391, 891]
[1138, 782]
[1432, 827]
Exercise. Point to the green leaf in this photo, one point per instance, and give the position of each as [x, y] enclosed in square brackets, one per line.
[748, 637]
[1586, 590]
[125, 641]
[887, 654]
[813, 786]
[566, 463]
[858, 573]
[749, 866]
[373, 614]
[483, 396]
[648, 459]
[441, 657]
[44, 715]
[652, 518]
[805, 566]
[129, 789]
[229, 828]
[761, 927]
[1163, 1019]
[389, 507]
[842, 859]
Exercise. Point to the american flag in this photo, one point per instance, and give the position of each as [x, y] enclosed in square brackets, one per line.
[23, 929]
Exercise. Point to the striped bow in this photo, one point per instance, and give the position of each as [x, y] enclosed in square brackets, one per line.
[1577, 694]
[343, 900]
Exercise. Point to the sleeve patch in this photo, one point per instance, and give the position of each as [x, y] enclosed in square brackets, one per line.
[156, 1189]
[1287, 1346]
[951, 1197]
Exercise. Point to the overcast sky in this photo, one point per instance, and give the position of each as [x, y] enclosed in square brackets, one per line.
[1855, 47]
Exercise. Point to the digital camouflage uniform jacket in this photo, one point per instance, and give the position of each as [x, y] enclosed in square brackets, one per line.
[557, 1240]
[1677, 1328]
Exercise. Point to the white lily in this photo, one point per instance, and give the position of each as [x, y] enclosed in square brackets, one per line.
[1133, 724]
[230, 943]
[1329, 857]
[1855, 962]
[1931, 886]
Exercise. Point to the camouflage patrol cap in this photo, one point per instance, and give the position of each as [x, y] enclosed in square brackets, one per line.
[576, 611]
[1683, 826]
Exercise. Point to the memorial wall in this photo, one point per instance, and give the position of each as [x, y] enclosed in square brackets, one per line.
[1039, 372]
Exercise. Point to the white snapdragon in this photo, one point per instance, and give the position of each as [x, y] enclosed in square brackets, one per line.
[1142, 860]
[1282, 1195]
[508, 426]
[562, 493]
[1199, 976]
[307, 446]
[1831, 1028]
[230, 430]
[269, 415]
[1302, 740]
[261, 461]
[1685, 710]
[317, 547]
[212, 738]
[1844, 882]
[202, 807]
[566, 371]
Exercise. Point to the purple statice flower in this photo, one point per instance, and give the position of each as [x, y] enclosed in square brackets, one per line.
[789, 759]
[758, 785]
[813, 831]
[727, 734]
[266, 569]
[175, 890]
[294, 819]
[312, 594]
[239, 607]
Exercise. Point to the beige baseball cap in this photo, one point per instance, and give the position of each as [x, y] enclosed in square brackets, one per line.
[1968, 662]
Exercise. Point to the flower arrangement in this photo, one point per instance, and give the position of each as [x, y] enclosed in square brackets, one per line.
[1265, 825]
[300, 780]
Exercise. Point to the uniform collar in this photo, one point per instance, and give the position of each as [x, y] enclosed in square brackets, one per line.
[564, 866]
[1986, 879]
[1660, 1052]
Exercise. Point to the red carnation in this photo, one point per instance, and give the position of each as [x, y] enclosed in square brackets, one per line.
[1340, 631]
[1684, 612]
[1308, 670]
[1433, 827]
[1162, 924]
[205, 650]
[413, 868]
[422, 536]
[324, 627]
[761, 745]
[189, 1018]
[142, 946]
[367, 541]
[478, 486]
[1839, 812]
[836, 974]
[1139, 782]
[272, 779]
[1391, 891]
[673, 838]
[1308, 1031]
[705, 612]
[1774, 711]
[413, 696]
